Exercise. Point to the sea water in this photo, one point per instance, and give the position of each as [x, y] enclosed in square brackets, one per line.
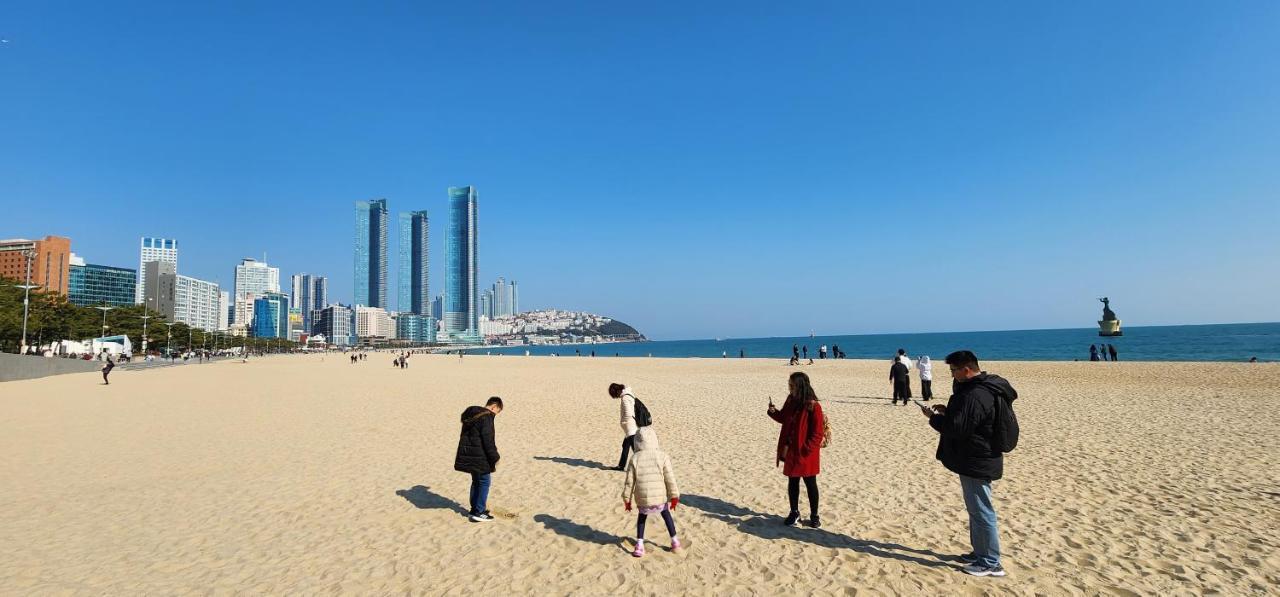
[1221, 342]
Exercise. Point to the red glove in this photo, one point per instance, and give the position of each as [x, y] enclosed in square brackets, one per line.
[627, 505]
[675, 501]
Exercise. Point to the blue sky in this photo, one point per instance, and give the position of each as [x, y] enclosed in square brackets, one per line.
[694, 169]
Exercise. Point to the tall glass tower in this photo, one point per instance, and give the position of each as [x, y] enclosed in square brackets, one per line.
[414, 296]
[371, 253]
[461, 283]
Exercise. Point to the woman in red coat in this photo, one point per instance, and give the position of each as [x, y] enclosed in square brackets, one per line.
[800, 444]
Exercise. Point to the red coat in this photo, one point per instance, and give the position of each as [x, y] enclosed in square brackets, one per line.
[800, 442]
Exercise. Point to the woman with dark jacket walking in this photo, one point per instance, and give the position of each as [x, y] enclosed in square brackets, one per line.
[478, 454]
[800, 444]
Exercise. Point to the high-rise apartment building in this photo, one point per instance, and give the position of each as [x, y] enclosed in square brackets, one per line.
[92, 285]
[374, 323]
[337, 324]
[224, 310]
[253, 280]
[161, 281]
[310, 294]
[371, 253]
[50, 262]
[414, 294]
[486, 304]
[154, 249]
[415, 329]
[461, 282]
[437, 307]
[198, 303]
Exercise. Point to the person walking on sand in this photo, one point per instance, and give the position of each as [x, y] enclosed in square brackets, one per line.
[975, 428]
[1111, 349]
[478, 454]
[651, 485]
[106, 369]
[925, 366]
[805, 351]
[627, 416]
[822, 352]
[900, 381]
[1093, 352]
[1102, 351]
[800, 444]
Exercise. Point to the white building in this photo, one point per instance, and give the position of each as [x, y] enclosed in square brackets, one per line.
[224, 313]
[253, 279]
[489, 327]
[153, 249]
[198, 304]
[374, 322]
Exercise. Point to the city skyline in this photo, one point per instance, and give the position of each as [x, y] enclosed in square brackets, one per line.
[718, 185]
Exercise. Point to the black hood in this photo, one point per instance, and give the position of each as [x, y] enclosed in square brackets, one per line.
[473, 413]
[996, 384]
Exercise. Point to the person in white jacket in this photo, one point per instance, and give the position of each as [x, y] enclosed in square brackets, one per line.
[627, 411]
[651, 485]
[925, 367]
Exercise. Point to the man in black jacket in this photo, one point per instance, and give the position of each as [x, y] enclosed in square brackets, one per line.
[478, 454]
[966, 447]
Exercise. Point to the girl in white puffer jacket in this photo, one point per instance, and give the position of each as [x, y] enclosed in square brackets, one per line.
[651, 483]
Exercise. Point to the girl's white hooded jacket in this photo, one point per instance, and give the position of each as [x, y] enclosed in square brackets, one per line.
[628, 411]
[650, 479]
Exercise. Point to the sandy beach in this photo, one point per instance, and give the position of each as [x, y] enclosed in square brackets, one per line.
[307, 474]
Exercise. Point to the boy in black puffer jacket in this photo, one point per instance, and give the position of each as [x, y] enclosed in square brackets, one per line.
[478, 454]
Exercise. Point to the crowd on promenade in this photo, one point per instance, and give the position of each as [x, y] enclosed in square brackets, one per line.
[975, 429]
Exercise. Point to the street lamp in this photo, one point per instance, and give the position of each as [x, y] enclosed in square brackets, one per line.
[104, 310]
[30, 254]
[168, 343]
[144, 317]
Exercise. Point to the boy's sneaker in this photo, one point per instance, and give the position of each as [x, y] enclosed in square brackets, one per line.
[792, 519]
[481, 517]
[676, 547]
[980, 570]
[639, 551]
[815, 522]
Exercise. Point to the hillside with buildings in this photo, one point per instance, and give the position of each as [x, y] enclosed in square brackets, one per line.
[554, 326]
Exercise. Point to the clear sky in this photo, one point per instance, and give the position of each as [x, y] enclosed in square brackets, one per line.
[694, 169]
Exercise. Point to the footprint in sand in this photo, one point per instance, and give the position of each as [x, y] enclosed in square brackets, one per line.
[503, 514]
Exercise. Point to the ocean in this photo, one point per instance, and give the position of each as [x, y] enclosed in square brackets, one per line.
[1221, 342]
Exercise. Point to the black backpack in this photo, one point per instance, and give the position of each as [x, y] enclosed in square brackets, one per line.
[1004, 429]
[643, 418]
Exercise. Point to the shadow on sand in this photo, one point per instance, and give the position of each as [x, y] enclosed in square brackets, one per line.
[864, 400]
[574, 462]
[422, 497]
[568, 528]
[770, 527]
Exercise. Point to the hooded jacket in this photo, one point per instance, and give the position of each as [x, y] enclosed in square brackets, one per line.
[925, 366]
[477, 452]
[650, 479]
[964, 443]
[627, 411]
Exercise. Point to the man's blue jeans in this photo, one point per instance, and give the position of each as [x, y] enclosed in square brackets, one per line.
[983, 534]
[479, 493]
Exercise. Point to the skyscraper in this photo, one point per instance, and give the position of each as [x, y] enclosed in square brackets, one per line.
[414, 296]
[371, 253]
[515, 298]
[253, 279]
[154, 249]
[461, 283]
[437, 307]
[161, 278]
[309, 293]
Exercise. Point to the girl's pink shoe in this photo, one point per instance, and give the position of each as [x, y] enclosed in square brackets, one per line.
[676, 547]
[639, 552]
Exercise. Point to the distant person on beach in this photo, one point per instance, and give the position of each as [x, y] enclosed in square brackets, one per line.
[975, 428]
[822, 352]
[627, 420]
[900, 379]
[478, 454]
[925, 367]
[1253, 359]
[651, 484]
[1093, 352]
[795, 354]
[835, 351]
[800, 444]
[106, 369]
[742, 353]
[1102, 351]
[1111, 349]
[805, 351]
[902, 356]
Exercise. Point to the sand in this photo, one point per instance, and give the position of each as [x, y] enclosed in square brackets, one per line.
[307, 474]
